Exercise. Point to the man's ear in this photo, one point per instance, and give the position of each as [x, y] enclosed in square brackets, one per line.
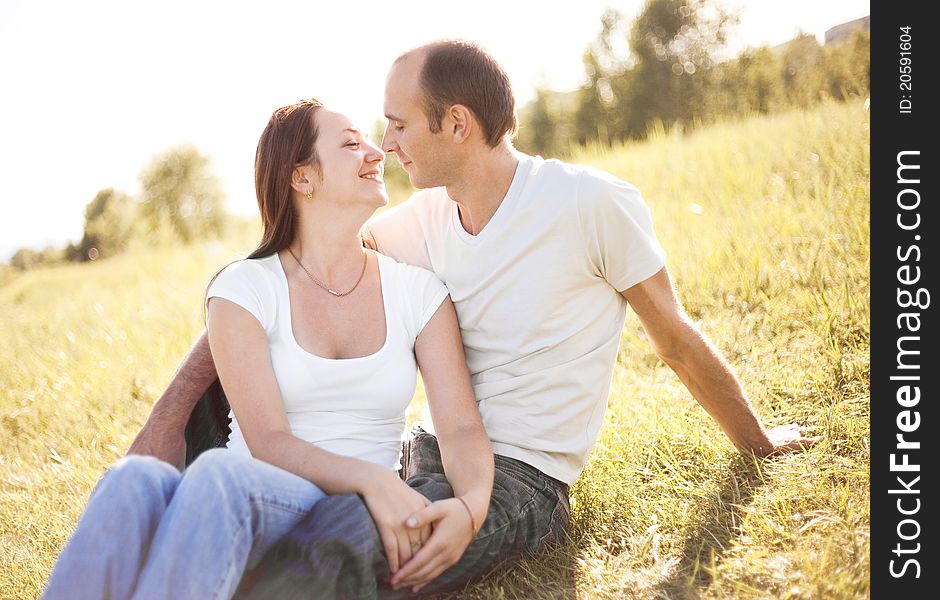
[461, 122]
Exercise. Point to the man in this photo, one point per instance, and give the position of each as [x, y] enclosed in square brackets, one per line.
[541, 260]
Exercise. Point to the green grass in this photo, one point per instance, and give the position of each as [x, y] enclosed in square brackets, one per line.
[766, 226]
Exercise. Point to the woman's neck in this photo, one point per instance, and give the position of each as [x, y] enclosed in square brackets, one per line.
[329, 247]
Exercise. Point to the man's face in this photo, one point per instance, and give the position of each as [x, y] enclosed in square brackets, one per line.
[424, 155]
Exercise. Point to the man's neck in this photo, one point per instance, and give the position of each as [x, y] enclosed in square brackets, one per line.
[483, 186]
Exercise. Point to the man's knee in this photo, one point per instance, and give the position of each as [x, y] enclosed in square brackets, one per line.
[344, 519]
[335, 550]
[424, 454]
[433, 486]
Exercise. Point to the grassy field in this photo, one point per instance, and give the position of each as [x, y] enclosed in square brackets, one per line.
[766, 226]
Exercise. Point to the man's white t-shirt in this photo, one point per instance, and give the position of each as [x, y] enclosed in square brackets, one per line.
[353, 407]
[537, 297]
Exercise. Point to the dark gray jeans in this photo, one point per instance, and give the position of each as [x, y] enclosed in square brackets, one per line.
[335, 552]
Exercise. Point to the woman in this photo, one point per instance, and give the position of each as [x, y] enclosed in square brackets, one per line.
[316, 341]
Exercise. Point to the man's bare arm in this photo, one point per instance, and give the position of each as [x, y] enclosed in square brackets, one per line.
[704, 372]
[162, 435]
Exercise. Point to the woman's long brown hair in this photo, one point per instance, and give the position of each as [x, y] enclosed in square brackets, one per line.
[286, 143]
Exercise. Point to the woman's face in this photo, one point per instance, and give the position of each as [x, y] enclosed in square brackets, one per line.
[351, 168]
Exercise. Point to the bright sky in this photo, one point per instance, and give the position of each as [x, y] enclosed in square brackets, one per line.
[93, 89]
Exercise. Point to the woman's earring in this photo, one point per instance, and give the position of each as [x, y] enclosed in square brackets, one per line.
[310, 195]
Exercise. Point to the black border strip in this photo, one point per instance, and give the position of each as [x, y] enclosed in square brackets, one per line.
[904, 266]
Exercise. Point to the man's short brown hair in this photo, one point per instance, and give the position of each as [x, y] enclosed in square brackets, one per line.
[459, 72]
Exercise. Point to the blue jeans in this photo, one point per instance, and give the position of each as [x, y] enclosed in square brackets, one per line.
[149, 531]
[336, 552]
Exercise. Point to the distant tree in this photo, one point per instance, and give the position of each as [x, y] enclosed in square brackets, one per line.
[803, 71]
[6, 273]
[602, 108]
[848, 66]
[24, 259]
[860, 58]
[763, 91]
[655, 70]
[590, 116]
[749, 84]
[547, 124]
[665, 69]
[111, 222]
[27, 258]
[537, 134]
[674, 43]
[182, 195]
